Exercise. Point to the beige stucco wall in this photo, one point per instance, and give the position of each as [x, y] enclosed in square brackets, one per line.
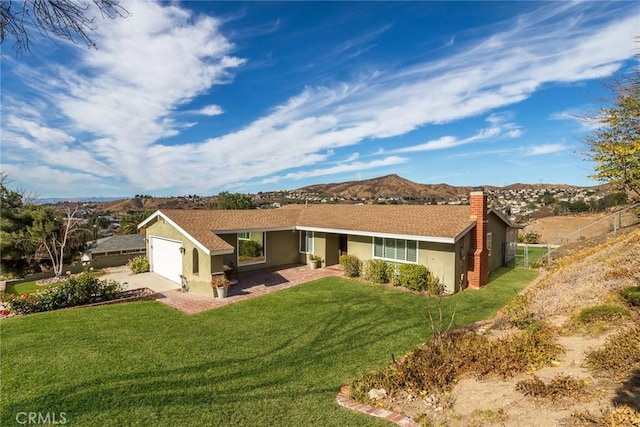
[498, 229]
[197, 282]
[360, 246]
[439, 258]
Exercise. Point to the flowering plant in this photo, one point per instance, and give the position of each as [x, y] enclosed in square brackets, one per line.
[220, 282]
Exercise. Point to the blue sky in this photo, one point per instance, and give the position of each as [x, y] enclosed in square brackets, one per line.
[202, 97]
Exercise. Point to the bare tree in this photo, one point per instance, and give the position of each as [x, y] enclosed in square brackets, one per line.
[49, 239]
[71, 20]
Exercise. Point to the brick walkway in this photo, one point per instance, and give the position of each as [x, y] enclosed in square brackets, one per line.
[250, 285]
[343, 400]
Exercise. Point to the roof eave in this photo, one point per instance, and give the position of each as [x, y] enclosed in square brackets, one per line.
[432, 239]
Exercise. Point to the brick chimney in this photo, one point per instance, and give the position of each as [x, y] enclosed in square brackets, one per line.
[478, 265]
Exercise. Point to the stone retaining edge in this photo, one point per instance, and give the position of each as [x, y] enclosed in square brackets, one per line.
[343, 400]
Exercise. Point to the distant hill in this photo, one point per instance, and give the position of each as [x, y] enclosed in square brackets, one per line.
[396, 186]
[54, 200]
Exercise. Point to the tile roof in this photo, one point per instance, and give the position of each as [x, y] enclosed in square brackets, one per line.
[444, 221]
[412, 220]
[204, 225]
[123, 242]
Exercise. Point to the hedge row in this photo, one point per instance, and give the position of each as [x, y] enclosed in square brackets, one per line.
[78, 290]
[411, 276]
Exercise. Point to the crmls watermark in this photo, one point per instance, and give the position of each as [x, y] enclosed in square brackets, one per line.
[51, 418]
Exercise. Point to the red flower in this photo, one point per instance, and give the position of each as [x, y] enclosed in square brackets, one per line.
[4, 313]
[25, 296]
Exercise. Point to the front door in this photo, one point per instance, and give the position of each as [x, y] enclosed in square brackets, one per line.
[343, 245]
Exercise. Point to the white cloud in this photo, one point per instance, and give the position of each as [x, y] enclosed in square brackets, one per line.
[341, 168]
[211, 110]
[120, 101]
[538, 150]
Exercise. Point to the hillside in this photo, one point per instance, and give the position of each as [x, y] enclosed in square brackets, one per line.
[396, 186]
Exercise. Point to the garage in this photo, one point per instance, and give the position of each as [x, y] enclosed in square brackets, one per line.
[166, 258]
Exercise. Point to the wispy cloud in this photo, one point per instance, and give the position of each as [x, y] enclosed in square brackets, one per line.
[538, 150]
[585, 118]
[119, 105]
[341, 168]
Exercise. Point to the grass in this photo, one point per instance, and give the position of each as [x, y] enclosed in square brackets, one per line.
[274, 360]
[535, 253]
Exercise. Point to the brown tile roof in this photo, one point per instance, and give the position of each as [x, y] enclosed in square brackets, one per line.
[204, 225]
[413, 220]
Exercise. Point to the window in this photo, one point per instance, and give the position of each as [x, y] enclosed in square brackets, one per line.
[395, 249]
[195, 261]
[306, 242]
[251, 248]
[489, 242]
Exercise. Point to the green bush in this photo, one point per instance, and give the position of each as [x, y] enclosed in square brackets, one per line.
[351, 265]
[530, 238]
[78, 290]
[631, 295]
[138, 265]
[249, 249]
[375, 271]
[392, 274]
[413, 276]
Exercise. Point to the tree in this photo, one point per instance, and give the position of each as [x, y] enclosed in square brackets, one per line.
[14, 218]
[615, 145]
[228, 200]
[71, 20]
[48, 236]
[129, 222]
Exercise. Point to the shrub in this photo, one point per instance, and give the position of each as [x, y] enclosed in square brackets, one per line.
[249, 249]
[620, 355]
[351, 265]
[413, 276]
[560, 386]
[138, 265]
[375, 271]
[434, 287]
[631, 295]
[518, 313]
[530, 238]
[392, 274]
[437, 365]
[78, 290]
[601, 313]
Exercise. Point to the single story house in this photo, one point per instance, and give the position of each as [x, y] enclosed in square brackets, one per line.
[115, 250]
[459, 244]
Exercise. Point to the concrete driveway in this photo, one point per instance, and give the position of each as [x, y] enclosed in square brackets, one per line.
[152, 281]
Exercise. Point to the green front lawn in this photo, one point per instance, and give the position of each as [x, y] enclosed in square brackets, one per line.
[275, 360]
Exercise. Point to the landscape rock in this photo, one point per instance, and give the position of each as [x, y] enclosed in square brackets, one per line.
[377, 394]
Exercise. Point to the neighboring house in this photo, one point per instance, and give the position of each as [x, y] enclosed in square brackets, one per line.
[459, 244]
[116, 250]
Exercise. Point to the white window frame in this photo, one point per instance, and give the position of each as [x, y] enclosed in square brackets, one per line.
[400, 261]
[244, 236]
[303, 234]
[489, 242]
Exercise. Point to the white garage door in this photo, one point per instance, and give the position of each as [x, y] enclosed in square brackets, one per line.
[166, 259]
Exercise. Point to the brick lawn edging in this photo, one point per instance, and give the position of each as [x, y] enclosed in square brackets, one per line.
[343, 400]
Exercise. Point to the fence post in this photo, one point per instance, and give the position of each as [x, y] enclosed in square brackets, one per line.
[548, 254]
[526, 255]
